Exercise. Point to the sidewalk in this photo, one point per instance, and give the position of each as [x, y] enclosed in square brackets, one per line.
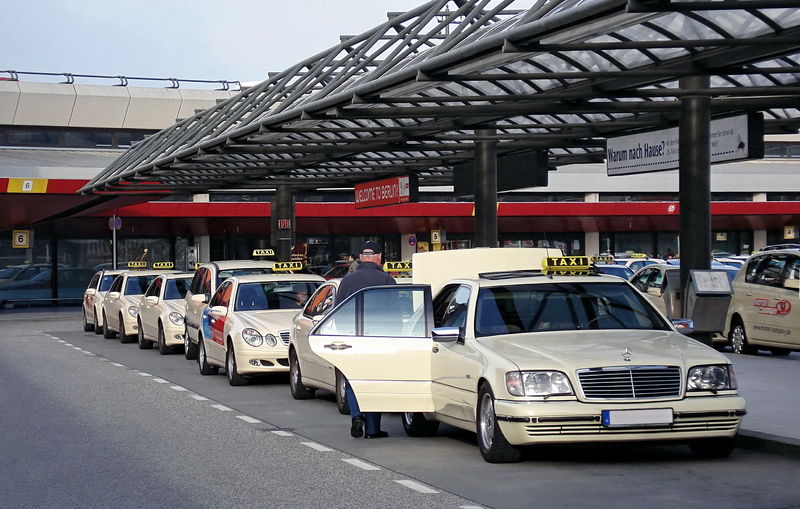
[769, 384]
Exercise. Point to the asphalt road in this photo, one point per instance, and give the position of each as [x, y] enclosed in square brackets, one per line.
[90, 422]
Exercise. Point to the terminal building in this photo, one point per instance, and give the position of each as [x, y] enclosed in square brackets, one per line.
[57, 137]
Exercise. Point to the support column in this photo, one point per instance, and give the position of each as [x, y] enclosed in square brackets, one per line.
[282, 210]
[759, 236]
[486, 190]
[695, 182]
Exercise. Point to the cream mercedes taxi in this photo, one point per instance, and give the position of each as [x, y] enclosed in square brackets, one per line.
[121, 302]
[245, 327]
[93, 299]
[524, 358]
[161, 311]
[764, 312]
[207, 278]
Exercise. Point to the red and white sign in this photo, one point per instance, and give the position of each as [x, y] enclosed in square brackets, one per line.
[383, 192]
[284, 224]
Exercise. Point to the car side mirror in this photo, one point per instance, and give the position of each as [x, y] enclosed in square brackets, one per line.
[151, 299]
[200, 298]
[218, 311]
[792, 284]
[91, 291]
[655, 292]
[317, 318]
[446, 334]
[683, 325]
[113, 295]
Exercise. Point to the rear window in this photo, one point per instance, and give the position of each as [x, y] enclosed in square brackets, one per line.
[274, 295]
[225, 274]
[137, 285]
[177, 288]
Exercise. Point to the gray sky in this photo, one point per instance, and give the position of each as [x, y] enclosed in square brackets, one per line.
[191, 39]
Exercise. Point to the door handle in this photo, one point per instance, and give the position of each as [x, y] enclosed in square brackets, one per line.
[337, 346]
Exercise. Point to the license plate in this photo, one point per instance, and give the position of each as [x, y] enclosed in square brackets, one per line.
[643, 417]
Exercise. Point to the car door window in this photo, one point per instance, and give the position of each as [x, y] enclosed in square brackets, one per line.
[154, 289]
[94, 281]
[222, 296]
[320, 302]
[454, 311]
[205, 286]
[793, 268]
[641, 280]
[116, 285]
[770, 271]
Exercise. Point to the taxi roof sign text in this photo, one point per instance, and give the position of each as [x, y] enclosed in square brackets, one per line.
[263, 252]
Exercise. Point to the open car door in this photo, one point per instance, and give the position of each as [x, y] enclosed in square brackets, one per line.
[380, 339]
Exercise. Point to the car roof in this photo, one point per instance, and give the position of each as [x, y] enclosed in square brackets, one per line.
[257, 278]
[777, 251]
[532, 277]
[239, 264]
[178, 275]
[128, 273]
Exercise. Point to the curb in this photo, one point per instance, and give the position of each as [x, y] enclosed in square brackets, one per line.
[764, 442]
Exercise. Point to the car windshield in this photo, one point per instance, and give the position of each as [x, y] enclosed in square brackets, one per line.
[176, 288]
[105, 283]
[225, 274]
[137, 285]
[10, 272]
[274, 295]
[615, 270]
[563, 306]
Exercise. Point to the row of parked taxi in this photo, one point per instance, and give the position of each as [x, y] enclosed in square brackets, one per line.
[482, 339]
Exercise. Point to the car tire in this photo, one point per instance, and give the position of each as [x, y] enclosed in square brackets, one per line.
[189, 348]
[780, 352]
[87, 327]
[143, 343]
[163, 349]
[202, 358]
[231, 371]
[493, 445]
[739, 343]
[708, 448]
[123, 335]
[416, 425]
[341, 395]
[97, 328]
[107, 333]
[296, 387]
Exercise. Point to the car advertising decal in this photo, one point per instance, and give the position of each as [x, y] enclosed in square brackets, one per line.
[781, 307]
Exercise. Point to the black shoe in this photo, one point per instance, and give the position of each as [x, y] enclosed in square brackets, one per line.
[377, 434]
[357, 427]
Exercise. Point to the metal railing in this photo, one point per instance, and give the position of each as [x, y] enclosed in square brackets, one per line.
[123, 80]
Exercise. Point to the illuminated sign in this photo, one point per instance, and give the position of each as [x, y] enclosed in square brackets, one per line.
[383, 192]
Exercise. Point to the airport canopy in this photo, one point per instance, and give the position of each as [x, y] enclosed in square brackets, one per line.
[413, 95]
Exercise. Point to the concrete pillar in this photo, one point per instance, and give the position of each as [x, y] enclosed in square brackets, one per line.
[485, 190]
[282, 209]
[759, 236]
[204, 248]
[406, 250]
[591, 240]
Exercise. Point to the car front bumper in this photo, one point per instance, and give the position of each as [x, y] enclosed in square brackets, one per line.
[541, 422]
[254, 360]
[173, 334]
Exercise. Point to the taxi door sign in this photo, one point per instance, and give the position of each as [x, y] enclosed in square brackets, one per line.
[21, 239]
[281, 266]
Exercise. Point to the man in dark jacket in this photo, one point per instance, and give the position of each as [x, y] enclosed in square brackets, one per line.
[369, 273]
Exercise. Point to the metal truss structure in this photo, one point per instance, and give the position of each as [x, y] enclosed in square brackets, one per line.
[415, 94]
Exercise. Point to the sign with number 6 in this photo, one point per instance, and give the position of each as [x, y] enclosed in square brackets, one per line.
[21, 239]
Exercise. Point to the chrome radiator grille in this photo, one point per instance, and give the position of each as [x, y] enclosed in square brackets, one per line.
[284, 337]
[634, 382]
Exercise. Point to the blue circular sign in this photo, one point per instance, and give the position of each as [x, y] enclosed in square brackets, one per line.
[412, 240]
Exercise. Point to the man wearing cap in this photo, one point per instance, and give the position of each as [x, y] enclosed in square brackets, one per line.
[368, 273]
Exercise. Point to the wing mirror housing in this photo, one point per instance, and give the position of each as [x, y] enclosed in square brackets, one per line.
[113, 295]
[151, 299]
[200, 298]
[446, 334]
[91, 291]
[683, 325]
[655, 292]
[218, 311]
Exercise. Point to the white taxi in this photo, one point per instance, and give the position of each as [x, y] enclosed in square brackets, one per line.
[121, 303]
[245, 327]
[764, 312]
[525, 358]
[93, 299]
[161, 311]
[207, 279]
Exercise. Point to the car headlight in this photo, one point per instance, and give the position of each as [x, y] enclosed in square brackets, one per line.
[176, 318]
[252, 337]
[271, 340]
[133, 311]
[718, 377]
[538, 383]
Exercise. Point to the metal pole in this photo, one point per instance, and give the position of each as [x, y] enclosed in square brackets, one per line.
[114, 242]
[283, 209]
[695, 183]
[486, 190]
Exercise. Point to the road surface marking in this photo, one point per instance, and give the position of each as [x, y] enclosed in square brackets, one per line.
[178, 388]
[160, 380]
[247, 418]
[283, 433]
[117, 364]
[222, 408]
[142, 373]
[418, 487]
[363, 465]
[199, 397]
[316, 446]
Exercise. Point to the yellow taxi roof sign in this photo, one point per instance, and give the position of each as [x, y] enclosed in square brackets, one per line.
[263, 252]
[638, 255]
[137, 265]
[404, 266]
[163, 265]
[602, 259]
[566, 265]
[286, 266]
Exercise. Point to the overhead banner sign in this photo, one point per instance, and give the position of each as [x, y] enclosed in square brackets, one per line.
[732, 139]
[385, 192]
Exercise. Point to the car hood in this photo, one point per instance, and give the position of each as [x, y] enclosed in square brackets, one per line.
[268, 320]
[571, 350]
[175, 306]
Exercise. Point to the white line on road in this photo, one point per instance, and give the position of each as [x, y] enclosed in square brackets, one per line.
[470, 507]
[117, 364]
[61, 341]
[418, 487]
[160, 380]
[222, 408]
[68, 344]
[178, 388]
[363, 465]
[77, 348]
[283, 433]
[86, 352]
[142, 373]
[316, 446]
[247, 418]
[199, 397]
